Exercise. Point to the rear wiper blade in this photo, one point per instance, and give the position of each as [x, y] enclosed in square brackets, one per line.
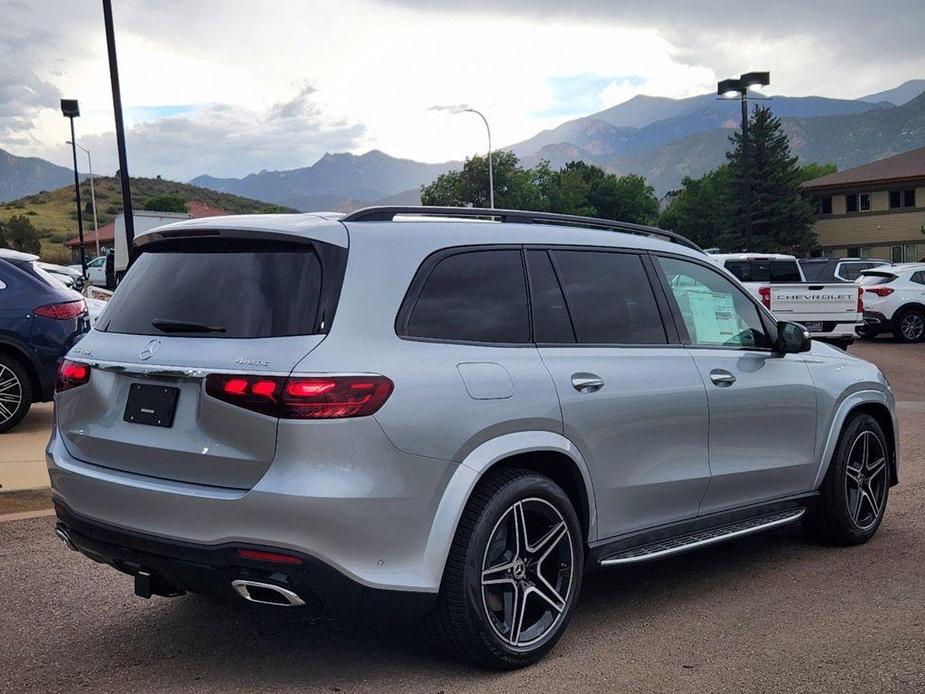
[182, 326]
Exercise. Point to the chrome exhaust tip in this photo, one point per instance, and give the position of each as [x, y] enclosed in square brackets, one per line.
[266, 594]
[66, 539]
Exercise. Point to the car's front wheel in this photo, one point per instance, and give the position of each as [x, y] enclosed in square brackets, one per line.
[513, 574]
[15, 392]
[856, 487]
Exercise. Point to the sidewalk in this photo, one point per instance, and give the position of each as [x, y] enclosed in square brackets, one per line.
[22, 451]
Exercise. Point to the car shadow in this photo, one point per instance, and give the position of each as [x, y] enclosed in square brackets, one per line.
[229, 645]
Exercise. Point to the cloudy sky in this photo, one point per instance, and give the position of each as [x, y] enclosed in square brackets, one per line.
[236, 86]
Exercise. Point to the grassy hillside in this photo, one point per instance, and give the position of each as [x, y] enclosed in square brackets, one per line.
[54, 213]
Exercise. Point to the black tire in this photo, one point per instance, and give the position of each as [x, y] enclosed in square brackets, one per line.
[464, 621]
[15, 392]
[843, 516]
[909, 325]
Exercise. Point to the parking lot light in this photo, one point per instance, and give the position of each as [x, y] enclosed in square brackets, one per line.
[71, 110]
[734, 88]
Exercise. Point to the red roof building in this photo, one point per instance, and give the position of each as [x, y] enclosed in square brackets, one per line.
[195, 208]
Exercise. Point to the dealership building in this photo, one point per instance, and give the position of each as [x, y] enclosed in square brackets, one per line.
[872, 211]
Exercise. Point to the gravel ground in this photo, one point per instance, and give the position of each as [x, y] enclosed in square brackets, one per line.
[765, 614]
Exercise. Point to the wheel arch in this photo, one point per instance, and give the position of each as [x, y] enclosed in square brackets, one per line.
[547, 453]
[879, 406]
[16, 350]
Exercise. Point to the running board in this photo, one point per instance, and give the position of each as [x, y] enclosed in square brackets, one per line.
[702, 538]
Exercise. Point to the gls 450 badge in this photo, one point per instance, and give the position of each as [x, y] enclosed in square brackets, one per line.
[251, 362]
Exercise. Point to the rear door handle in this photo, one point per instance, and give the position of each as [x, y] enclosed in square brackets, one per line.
[586, 382]
[722, 378]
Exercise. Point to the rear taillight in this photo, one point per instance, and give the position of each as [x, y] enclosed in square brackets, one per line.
[71, 374]
[62, 311]
[880, 291]
[860, 300]
[302, 397]
[765, 294]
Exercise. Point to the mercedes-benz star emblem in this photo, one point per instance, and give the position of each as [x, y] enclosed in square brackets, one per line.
[150, 349]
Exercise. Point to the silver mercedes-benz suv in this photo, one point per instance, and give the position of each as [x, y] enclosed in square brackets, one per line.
[451, 413]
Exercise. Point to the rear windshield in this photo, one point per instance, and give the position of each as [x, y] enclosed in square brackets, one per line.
[873, 278]
[222, 289]
[765, 270]
[813, 269]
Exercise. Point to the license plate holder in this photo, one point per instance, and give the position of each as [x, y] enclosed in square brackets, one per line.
[813, 326]
[150, 404]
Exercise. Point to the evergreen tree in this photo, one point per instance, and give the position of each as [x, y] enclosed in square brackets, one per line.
[700, 211]
[781, 217]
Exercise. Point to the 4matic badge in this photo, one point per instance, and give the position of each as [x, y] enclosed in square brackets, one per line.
[251, 362]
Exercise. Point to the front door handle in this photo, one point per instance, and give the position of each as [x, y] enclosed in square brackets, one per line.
[587, 383]
[722, 378]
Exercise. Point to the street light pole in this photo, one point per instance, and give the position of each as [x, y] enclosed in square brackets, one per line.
[491, 177]
[746, 165]
[740, 87]
[71, 110]
[96, 224]
[464, 108]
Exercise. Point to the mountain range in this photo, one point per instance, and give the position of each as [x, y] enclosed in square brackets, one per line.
[21, 176]
[660, 138]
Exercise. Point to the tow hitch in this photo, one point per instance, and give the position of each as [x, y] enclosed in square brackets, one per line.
[147, 584]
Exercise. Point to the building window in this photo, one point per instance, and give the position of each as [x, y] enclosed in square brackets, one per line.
[909, 197]
[864, 202]
[825, 204]
[903, 254]
[895, 199]
[851, 203]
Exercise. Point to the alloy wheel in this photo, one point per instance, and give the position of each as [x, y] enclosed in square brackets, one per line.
[527, 572]
[912, 326]
[866, 480]
[10, 394]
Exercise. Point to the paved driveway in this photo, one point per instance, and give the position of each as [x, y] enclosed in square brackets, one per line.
[771, 613]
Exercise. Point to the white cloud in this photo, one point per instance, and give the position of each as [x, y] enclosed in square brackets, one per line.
[220, 87]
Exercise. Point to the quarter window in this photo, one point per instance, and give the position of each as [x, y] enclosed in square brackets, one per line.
[475, 296]
[609, 298]
[551, 321]
[714, 310]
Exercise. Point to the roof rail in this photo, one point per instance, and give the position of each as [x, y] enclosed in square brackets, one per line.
[388, 213]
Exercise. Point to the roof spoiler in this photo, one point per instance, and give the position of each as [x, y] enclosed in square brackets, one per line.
[388, 213]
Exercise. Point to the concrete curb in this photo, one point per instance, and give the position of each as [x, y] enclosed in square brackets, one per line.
[26, 515]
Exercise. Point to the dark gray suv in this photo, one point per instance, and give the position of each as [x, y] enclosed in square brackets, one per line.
[447, 413]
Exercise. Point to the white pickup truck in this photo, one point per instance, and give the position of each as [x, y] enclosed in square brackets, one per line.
[830, 311]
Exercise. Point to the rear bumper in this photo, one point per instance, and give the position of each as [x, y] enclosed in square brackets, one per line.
[372, 519]
[875, 322]
[185, 566]
[836, 332]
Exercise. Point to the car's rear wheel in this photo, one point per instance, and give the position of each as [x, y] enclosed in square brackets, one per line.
[910, 325]
[15, 392]
[513, 574]
[856, 487]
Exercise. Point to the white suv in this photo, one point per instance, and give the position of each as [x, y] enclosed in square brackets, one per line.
[894, 301]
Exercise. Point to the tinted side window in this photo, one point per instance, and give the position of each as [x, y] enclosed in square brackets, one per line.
[918, 277]
[715, 311]
[851, 271]
[609, 298]
[475, 296]
[551, 321]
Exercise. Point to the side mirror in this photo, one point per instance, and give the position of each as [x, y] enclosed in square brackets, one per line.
[792, 338]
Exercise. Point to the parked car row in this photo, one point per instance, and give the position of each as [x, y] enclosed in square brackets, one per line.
[455, 421]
